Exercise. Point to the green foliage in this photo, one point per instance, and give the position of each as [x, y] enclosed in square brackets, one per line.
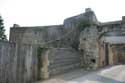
[39, 57]
[81, 24]
[2, 30]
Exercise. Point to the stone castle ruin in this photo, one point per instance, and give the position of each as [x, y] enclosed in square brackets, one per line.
[40, 52]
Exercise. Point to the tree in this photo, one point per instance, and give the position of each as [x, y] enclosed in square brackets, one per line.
[2, 30]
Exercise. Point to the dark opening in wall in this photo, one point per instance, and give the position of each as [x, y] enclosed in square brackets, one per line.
[84, 39]
[81, 51]
[68, 39]
[93, 60]
[99, 29]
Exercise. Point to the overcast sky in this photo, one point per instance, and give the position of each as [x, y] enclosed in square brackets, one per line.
[51, 12]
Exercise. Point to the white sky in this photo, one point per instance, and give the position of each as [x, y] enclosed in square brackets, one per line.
[51, 12]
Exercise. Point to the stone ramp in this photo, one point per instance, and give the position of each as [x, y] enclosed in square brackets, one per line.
[109, 74]
[62, 60]
[62, 78]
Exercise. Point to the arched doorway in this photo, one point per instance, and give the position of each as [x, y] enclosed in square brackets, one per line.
[112, 48]
[119, 54]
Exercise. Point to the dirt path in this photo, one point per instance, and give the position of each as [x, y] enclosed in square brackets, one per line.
[114, 74]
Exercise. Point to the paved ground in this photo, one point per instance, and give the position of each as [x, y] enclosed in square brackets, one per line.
[114, 74]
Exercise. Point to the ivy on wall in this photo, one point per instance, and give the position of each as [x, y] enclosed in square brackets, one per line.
[39, 57]
[82, 24]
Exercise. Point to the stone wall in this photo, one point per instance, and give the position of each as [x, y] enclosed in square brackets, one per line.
[63, 60]
[7, 62]
[48, 63]
[44, 36]
[26, 71]
[28, 39]
[89, 46]
[66, 35]
[18, 63]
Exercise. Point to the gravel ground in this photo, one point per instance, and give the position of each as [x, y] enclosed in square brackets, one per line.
[114, 74]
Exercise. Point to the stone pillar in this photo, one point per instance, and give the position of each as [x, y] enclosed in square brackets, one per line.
[15, 25]
[123, 19]
[123, 23]
[101, 55]
[88, 10]
[45, 63]
[110, 55]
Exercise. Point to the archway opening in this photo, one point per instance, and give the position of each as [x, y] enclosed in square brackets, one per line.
[112, 48]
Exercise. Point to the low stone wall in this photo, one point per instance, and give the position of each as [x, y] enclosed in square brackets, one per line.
[62, 60]
[7, 62]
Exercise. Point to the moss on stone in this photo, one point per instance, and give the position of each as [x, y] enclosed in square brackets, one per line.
[39, 57]
[82, 24]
